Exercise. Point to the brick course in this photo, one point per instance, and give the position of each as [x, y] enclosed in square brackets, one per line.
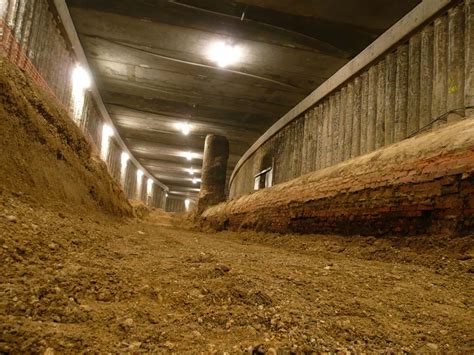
[421, 185]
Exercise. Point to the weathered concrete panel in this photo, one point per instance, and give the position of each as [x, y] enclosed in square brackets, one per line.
[440, 72]
[348, 127]
[401, 94]
[371, 109]
[426, 75]
[469, 56]
[380, 119]
[390, 84]
[456, 67]
[326, 155]
[319, 154]
[336, 134]
[364, 109]
[342, 124]
[413, 109]
[356, 118]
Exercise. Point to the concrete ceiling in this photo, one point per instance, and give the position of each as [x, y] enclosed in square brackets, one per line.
[151, 62]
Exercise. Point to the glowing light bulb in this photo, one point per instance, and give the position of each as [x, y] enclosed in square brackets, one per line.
[184, 127]
[191, 171]
[124, 158]
[107, 131]
[140, 173]
[189, 155]
[187, 202]
[224, 54]
[81, 78]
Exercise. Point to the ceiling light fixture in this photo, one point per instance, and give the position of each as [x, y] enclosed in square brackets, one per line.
[107, 131]
[191, 171]
[224, 54]
[188, 155]
[184, 127]
[81, 78]
[149, 184]
[196, 180]
[125, 158]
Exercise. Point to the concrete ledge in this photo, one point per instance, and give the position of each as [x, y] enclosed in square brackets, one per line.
[398, 32]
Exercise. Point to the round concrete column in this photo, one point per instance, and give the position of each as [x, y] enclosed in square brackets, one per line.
[214, 169]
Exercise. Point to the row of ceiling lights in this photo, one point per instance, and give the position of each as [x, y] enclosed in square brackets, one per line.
[223, 54]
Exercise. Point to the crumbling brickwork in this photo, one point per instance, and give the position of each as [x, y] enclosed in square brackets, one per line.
[420, 185]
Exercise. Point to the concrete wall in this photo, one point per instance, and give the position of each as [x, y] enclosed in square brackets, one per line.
[423, 81]
[33, 37]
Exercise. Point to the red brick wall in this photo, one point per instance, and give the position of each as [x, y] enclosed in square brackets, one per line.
[421, 185]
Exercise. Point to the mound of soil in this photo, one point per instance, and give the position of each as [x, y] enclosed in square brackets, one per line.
[44, 156]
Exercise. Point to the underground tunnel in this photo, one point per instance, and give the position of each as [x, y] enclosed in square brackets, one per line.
[236, 176]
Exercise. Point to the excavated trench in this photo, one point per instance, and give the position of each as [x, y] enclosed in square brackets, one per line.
[81, 273]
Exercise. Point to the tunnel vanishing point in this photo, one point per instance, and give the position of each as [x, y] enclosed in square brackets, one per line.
[352, 118]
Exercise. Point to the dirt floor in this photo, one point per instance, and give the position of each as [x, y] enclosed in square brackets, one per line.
[75, 282]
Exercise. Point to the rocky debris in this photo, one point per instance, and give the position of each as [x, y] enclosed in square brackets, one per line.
[127, 324]
[12, 219]
[221, 269]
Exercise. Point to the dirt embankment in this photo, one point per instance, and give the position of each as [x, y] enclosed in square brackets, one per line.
[44, 156]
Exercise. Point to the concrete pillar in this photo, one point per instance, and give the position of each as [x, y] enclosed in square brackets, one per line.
[413, 109]
[335, 103]
[4, 5]
[426, 75]
[371, 109]
[469, 57]
[380, 120]
[309, 142]
[319, 118]
[342, 123]
[326, 135]
[401, 94]
[41, 52]
[28, 22]
[348, 121]
[355, 151]
[331, 151]
[19, 20]
[364, 108]
[11, 14]
[214, 169]
[440, 73]
[456, 63]
[390, 82]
